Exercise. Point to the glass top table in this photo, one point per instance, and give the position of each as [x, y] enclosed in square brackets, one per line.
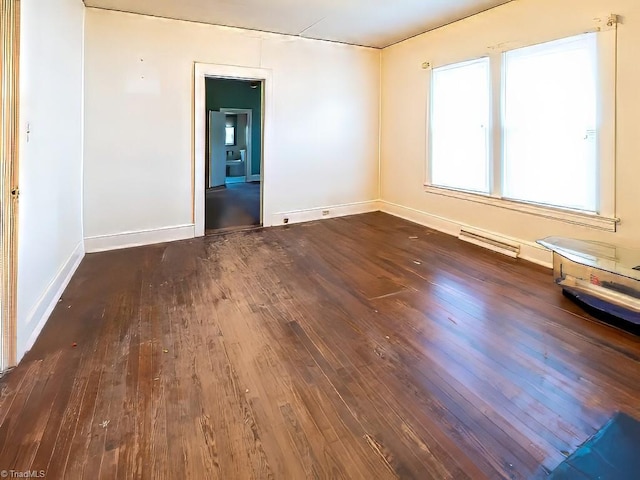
[602, 276]
[610, 258]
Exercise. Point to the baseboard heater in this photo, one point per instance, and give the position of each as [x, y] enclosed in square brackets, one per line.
[482, 240]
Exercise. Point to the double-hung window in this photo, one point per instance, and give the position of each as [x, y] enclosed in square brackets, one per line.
[461, 108]
[550, 101]
[528, 128]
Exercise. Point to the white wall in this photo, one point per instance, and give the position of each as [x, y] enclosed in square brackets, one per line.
[139, 75]
[50, 216]
[404, 96]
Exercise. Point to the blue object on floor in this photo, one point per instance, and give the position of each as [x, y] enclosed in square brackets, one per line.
[612, 453]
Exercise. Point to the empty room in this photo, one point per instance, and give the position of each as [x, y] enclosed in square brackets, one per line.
[320, 239]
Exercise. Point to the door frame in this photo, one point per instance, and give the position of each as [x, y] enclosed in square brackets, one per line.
[249, 113]
[9, 142]
[202, 71]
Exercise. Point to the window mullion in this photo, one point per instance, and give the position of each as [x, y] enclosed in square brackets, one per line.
[606, 108]
[496, 151]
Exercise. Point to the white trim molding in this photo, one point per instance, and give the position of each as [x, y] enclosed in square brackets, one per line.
[529, 251]
[138, 238]
[10, 100]
[320, 213]
[41, 311]
[573, 217]
[210, 70]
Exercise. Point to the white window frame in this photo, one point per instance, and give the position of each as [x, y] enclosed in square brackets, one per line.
[605, 218]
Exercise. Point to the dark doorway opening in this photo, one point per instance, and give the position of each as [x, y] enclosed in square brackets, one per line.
[233, 166]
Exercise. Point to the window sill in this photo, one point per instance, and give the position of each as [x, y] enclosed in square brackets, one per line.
[574, 217]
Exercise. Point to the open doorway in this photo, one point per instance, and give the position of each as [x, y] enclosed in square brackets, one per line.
[202, 73]
[233, 154]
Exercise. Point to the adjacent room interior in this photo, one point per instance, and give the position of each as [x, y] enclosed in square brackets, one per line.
[352, 240]
[234, 154]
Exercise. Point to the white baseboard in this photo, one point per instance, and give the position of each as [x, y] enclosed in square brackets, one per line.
[331, 211]
[534, 253]
[138, 238]
[254, 178]
[49, 299]
[529, 251]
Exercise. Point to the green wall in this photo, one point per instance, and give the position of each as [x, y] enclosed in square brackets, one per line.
[223, 93]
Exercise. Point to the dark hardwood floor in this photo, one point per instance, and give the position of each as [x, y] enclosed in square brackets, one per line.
[334, 349]
[232, 207]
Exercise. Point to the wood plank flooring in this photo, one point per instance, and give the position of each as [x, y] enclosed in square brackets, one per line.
[335, 349]
[231, 207]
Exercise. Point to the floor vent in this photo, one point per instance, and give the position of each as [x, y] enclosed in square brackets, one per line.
[481, 239]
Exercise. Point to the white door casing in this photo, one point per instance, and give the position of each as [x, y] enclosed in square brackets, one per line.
[208, 70]
[9, 141]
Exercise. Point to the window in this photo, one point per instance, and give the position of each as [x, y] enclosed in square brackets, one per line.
[230, 135]
[461, 109]
[550, 124]
[530, 129]
[231, 121]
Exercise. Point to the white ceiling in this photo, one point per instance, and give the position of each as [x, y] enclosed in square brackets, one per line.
[374, 23]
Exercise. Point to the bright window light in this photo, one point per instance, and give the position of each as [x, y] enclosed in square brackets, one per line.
[460, 119]
[230, 135]
[549, 124]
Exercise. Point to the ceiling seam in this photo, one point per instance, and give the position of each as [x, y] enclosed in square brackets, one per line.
[301, 34]
[236, 28]
[448, 23]
[311, 26]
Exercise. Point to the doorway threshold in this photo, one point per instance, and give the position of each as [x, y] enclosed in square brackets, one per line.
[221, 231]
